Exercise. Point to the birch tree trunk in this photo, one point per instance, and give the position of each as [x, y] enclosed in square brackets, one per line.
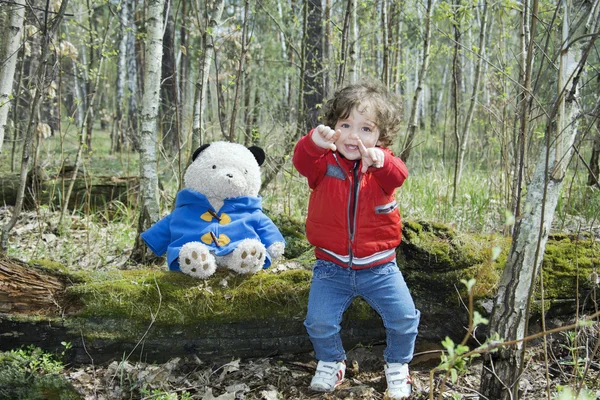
[121, 123]
[354, 70]
[500, 376]
[9, 49]
[206, 58]
[413, 119]
[385, 38]
[149, 208]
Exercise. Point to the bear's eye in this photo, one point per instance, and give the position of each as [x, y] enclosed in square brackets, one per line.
[214, 167]
[246, 171]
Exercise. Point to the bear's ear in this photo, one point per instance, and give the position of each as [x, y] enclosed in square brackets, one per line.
[259, 154]
[199, 150]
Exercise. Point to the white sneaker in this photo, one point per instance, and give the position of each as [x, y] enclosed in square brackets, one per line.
[328, 376]
[398, 380]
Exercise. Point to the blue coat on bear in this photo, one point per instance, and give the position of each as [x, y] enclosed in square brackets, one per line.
[195, 220]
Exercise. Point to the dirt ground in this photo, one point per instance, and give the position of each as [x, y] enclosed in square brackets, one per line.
[288, 377]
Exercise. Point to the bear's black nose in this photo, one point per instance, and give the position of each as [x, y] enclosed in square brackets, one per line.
[230, 175]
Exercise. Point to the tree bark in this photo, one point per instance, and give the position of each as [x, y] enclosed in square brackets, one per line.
[456, 91]
[240, 73]
[132, 78]
[313, 76]
[121, 122]
[211, 22]
[9, 49]
[169, 126]
[148, 204]
[500, 376]
[343, 61]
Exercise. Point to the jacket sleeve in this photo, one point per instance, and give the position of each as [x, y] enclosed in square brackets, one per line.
[393, 173]
[309, 160]
[158, 236]
[268, 232]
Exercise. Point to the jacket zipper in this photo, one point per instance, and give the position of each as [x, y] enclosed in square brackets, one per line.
[352, 207]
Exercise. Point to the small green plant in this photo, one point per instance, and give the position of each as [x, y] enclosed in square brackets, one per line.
[31, 374]
[457, 357]
[157, 394]
[576, 361]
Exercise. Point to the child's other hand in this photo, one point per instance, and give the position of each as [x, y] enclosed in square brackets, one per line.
[372, 156]
[325, 137]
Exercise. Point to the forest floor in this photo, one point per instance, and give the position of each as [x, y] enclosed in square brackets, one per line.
[288, 377]
[284, 376]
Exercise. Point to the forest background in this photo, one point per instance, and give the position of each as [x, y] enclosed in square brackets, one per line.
[501, 104]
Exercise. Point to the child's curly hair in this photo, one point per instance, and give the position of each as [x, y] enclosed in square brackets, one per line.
[366, 96]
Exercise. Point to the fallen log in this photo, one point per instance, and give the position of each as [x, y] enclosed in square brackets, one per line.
[153, 315]
[89, 192]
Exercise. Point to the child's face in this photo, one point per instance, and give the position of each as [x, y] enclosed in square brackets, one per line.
[356, 126]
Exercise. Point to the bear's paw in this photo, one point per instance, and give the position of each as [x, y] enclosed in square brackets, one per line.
[196, 260]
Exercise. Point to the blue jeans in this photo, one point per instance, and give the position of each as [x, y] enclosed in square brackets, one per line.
[332, 290]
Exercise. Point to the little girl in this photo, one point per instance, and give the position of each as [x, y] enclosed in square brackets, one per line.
[354, 223]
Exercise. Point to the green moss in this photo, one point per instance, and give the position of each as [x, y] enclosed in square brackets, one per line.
[442, 248]
[175, 298]
[294, 233]
[567, 265]
[57, 269]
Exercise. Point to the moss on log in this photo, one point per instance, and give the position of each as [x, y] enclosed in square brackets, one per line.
[155, 314]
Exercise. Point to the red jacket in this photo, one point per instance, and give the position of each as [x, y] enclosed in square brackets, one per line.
[353, 218]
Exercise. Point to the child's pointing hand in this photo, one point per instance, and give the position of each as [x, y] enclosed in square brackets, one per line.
[372, 156]
[325, 137]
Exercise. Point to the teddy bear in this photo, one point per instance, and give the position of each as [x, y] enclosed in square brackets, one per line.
[218, 218]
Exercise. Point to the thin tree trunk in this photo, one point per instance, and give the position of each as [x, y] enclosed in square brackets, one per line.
[9, 50]
[354, 46]
[169, 126]
[313, 77]
[594, 172]
[149, 206]
[456, 88]
[481, 54]
[520, 156]
[327, 52]
[413, 119]
[121, 123]
[385, 33]
[240, 73]
[344, 45]
[47, 33]
[132, 78]
[500, 376]
[207, 55]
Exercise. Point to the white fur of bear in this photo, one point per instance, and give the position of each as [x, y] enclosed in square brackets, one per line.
[222, 171]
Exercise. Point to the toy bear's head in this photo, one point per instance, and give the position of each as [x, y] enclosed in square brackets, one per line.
[224, 170]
